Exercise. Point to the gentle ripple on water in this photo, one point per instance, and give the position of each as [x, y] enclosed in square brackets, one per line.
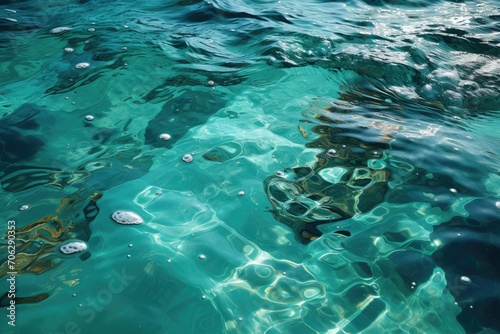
[298, 167]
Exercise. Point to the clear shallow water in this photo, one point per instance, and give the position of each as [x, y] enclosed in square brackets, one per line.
[364, 135]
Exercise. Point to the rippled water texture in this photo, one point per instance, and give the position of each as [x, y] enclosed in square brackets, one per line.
[297, 166]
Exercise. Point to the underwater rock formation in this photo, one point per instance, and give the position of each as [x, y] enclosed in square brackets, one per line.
[347, 178]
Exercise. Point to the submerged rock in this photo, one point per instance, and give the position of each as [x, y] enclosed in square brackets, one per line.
[344, 182]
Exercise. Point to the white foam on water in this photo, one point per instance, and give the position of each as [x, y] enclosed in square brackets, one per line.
[126, 218]
[73, 247]
[82, 65]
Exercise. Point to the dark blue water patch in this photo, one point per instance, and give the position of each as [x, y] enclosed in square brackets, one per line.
[16, 146]
[102, 168]
[471, 248]
[181, 113]
[212, 13]
[16, 178]
[416, 186]
[18, 139]
[413, 266]
[458, 41]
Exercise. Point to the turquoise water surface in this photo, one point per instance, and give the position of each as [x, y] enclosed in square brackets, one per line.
[345, 172]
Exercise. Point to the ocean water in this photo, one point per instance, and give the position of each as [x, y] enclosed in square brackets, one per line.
[345, 173]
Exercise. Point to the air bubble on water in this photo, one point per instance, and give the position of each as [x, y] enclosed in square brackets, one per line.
[240, 319]
[91, 29]
[130, 245]
[331, 152]
[69, 49]
[73, 103]
[210, 83]
[74, 295]
[124, 48]
[82, 65]
[203, 297]
[66, 97]
[128, 256]
[241, 193]
[24, 207]
[280, 174]
[168, 261]
[497, 204]
[165, 136]
[73, 247]
[59, 30]
[89, 118]
[465, 279]
[187, 158]
[202, 257]
[453, 190]
[126, 218]
[413, 283]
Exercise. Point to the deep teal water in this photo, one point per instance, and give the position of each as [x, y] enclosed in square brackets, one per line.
[364, 136]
